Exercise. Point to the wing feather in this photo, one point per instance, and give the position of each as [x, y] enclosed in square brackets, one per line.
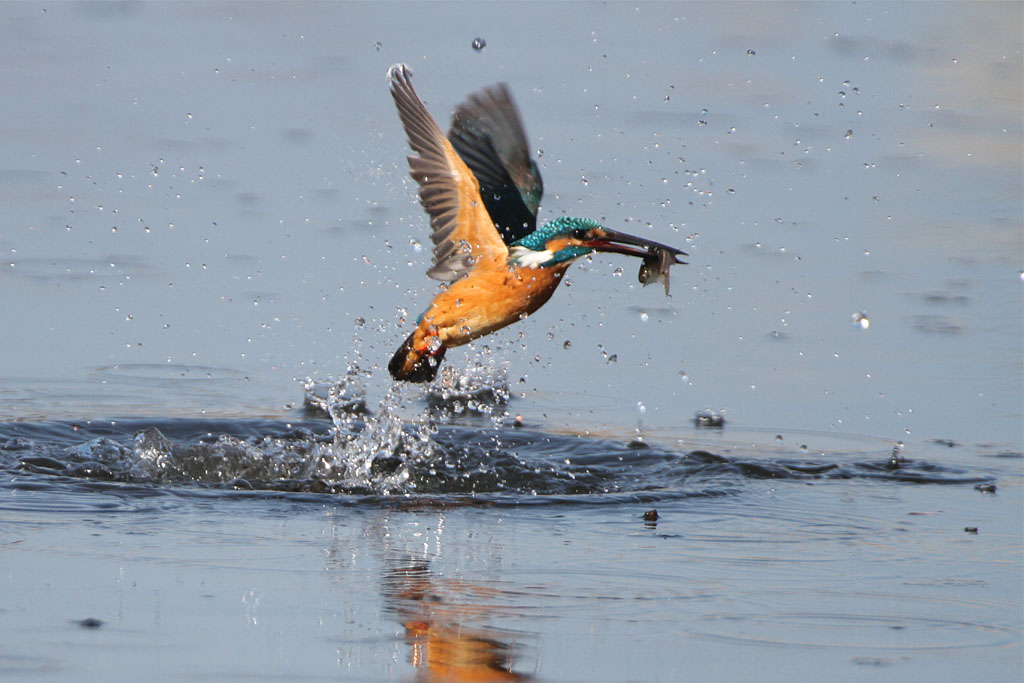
[488, 134]
[461, 228]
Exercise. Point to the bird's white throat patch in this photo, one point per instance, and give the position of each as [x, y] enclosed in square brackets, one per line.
[528, 258]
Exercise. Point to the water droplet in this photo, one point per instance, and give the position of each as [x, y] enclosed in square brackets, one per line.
[360, 321]
[896, 458]
[479, 44]
[378, 45]
[778, 438]
[567, 344]
[849, 133]
[644, 317]
[860, 320]
[641, 407]
[751, 53]
[433, 344]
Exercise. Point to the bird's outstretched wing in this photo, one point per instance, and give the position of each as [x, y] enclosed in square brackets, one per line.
[462, 231]
[488, 134]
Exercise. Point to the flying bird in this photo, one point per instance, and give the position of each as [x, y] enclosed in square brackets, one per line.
[482, 190]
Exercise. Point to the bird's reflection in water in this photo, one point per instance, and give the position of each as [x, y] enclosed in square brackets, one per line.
[443, 626]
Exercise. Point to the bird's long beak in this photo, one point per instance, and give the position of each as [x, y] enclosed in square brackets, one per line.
[623, 243]
[658, 258]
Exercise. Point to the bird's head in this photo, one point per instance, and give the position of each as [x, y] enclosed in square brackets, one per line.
[559, 241]
[567, 238]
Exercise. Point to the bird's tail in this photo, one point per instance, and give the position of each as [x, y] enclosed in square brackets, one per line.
[414, 366]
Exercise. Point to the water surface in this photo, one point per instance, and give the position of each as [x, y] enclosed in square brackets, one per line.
[211, 247]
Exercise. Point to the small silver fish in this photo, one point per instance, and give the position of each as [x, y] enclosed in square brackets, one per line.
[656, 265]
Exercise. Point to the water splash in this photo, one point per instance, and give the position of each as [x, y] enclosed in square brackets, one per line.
[369, 450]
[480, 387]
[351, 449]
[375, 449]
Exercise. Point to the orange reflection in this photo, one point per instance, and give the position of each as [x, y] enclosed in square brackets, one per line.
[437, 615]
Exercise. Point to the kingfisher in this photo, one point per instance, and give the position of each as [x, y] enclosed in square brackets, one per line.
[482, 191]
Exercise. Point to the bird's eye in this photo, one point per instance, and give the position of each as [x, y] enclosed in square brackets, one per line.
[579, 234]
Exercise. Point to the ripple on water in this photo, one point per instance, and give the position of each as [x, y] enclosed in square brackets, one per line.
[374, 455]
[483, 456]
[894, 629]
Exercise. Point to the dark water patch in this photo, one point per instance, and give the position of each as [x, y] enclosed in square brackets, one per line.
[945, 298]
[937, 324]
[426, 464]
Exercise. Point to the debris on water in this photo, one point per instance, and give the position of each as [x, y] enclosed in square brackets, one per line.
[986, 488]
[971, 529]
[709, 419]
